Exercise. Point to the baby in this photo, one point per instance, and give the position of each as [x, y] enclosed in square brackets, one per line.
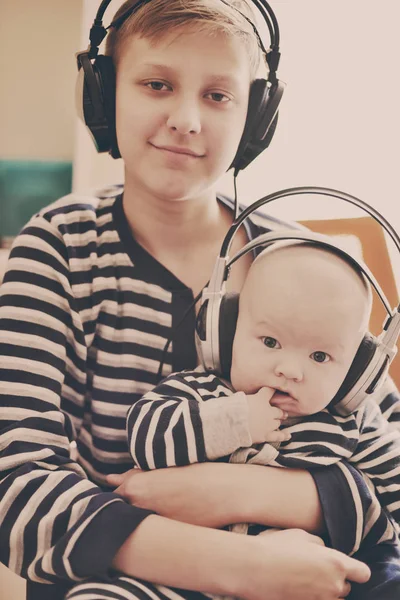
[303, 312]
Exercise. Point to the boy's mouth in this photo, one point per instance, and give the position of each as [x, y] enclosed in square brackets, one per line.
[179, 150]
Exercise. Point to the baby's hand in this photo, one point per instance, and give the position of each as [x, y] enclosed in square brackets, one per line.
[264, 419]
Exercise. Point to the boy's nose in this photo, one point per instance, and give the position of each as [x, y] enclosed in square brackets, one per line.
[289, 369]
[184, 117]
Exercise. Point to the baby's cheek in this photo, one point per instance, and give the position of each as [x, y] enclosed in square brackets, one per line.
[320, 395]
[331, 385]
[236, 374]
[242, 378]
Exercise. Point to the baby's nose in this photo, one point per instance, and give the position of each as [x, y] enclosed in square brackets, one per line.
[289, 369]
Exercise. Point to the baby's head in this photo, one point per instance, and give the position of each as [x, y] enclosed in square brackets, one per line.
[303, 312]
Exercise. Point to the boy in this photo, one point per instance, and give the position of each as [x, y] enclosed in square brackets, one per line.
[303, 312]
[92, 291]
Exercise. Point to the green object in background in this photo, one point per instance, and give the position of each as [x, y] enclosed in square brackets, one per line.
[26, 186]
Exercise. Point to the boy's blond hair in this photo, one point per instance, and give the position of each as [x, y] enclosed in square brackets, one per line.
[156, 17]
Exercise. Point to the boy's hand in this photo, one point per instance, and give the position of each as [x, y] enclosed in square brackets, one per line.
[264, 419]
[303, 569]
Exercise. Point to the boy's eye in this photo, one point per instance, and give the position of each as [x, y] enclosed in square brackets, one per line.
[157, 86]
[271, 342]
[218, 97]
[320, 356]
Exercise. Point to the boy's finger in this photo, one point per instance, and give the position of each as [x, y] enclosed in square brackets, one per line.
[119, 478]
[346, 589]
[357, 571]
[315, 539]
[114, 479]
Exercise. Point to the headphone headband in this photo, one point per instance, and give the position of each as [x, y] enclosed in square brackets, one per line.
[263, 7]
[223, 264]
[216, 322]
[98, 32]
[96, 87]
[297, 191]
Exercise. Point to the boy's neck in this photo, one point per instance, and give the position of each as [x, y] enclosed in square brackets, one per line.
[185, 236]
[165, 225]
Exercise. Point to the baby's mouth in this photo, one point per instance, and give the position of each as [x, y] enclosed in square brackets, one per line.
[286, 402]
[280, 397]
[281, 393]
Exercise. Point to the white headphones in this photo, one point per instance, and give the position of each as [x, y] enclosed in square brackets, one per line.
[217, 317]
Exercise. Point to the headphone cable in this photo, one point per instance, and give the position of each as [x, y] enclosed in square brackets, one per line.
[171, 337]
[197, 298]
[236, 210]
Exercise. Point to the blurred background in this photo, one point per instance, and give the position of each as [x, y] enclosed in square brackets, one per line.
[339, 122]
[37, 111]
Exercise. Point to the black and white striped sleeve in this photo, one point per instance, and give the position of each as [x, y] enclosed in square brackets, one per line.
[378, 455]
[188, 418]
[388, 399]
[348, 483]
[52, 518]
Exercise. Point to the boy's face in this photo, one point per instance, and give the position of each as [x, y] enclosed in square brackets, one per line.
[181, 105]
[300, 324]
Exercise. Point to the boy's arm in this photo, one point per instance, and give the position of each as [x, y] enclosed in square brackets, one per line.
[51, 515]
[218, 494]
[282, 565]
[186, 420]
[327, 500]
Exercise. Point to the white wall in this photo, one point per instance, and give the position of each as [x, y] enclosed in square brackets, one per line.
[340, 123]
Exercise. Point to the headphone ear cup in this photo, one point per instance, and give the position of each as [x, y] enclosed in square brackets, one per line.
[228, 316]
[362, 359]
[105, 74]
[271, 131]
[261, 121]
[96, 101]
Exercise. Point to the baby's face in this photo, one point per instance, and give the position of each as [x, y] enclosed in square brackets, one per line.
[298, 330]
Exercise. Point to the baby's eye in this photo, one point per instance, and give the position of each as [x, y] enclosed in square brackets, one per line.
[271, 342]
[320, 357]
[218, 97]
[157, 86]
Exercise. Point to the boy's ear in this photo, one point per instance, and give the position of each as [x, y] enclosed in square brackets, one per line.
[261, 121]
[96, 101]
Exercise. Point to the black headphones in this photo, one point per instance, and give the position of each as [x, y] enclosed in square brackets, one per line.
[217, 317]
[96, 90]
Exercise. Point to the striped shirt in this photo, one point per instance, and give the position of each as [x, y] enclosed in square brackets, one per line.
[85, 313]
[195, 417]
